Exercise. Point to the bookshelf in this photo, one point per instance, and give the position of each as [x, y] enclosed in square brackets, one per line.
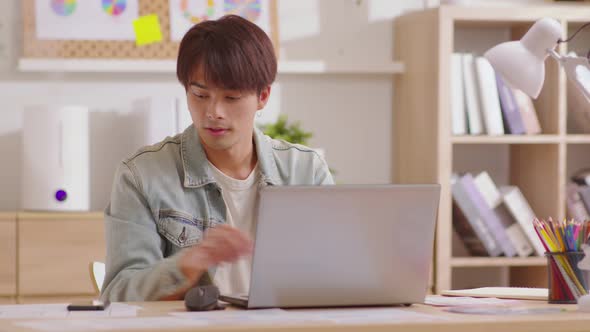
[425, 151]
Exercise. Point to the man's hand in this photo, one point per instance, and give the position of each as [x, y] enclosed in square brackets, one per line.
[222, 244]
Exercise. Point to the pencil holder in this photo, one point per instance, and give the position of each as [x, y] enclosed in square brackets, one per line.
[566, 281]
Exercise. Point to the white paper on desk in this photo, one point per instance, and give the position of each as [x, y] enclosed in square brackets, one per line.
[59, 310]
[113, 310]
[241, 317]
[447, 301]
[367, 316]
[15, 311]
[102, 324]
[339, 316]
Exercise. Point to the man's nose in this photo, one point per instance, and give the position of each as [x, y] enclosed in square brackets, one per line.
[215, 110]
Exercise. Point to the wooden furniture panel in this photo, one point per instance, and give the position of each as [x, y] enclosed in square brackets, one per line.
[8, 254]
[534, 168]
[53, 299]
[416, 139]
[54, 253]
[529, 276]
[7, 300]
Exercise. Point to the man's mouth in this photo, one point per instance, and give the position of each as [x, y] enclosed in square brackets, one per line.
[217, 131]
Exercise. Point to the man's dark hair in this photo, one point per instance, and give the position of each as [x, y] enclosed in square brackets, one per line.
[232, 53]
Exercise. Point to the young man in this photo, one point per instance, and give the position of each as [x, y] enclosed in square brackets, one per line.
[182, 211]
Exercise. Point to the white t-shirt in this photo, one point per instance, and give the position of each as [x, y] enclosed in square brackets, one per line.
[240, 199]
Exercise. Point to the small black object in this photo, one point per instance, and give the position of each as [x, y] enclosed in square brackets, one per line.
[94, 305]
[202, 298]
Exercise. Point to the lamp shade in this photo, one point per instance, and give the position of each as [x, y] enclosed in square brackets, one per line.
[522, 63]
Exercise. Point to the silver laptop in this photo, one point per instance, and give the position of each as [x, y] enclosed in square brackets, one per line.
[326, 246]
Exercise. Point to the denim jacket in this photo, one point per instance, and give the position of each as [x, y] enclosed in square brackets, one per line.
[164, 198]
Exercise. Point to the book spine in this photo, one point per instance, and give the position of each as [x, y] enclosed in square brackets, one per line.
[467, 233]
[471, 98]
[469, 209]
[512, 116]
[493, 198]
[487, 215]
[457, 97]
[522, 212]
[515, 232]
[489, 100]
[528, 112]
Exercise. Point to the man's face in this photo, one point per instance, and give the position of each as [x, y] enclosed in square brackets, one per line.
[223, 118]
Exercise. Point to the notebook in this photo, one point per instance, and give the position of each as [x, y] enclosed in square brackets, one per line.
[519, 293]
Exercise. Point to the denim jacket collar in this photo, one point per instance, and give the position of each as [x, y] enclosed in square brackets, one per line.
[196, 169]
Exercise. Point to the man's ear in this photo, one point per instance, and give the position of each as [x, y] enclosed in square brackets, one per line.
[263, 97]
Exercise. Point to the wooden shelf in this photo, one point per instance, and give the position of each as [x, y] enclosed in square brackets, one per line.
[497, 261]
[169, 66]
[7, 215]
[578, 139]
[507, 139]
[502, 14]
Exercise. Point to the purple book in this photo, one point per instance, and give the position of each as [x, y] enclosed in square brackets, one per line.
[512, 117]
[487, 215]
[471, 212]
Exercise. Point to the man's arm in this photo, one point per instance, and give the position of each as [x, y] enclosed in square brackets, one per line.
[135, 267]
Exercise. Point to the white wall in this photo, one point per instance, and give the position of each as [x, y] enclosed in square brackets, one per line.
[350, 115]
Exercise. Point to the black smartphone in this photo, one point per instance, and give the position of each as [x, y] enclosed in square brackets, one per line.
[88, 305]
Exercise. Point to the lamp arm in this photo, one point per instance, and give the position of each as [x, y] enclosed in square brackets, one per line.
[554, 55]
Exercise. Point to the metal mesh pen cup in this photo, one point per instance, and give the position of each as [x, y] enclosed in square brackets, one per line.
[566, 281]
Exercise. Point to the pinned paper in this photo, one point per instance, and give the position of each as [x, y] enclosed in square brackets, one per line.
[85, 20]
[147, 30]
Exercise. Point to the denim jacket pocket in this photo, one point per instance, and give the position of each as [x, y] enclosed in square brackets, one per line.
[181, 229]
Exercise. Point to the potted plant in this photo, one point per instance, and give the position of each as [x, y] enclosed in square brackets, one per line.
[290, 132]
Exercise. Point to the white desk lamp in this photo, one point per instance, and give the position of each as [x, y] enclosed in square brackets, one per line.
[522, 63]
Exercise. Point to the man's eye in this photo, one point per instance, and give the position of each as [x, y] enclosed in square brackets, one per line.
[232, 98]
[200, 96]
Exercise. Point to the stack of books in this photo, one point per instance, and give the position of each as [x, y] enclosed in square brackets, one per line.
[493, 221]
[482, 102]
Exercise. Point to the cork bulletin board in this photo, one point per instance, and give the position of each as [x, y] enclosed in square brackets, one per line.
[115, 49]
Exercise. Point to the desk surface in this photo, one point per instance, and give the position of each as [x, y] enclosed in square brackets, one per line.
[570, 320]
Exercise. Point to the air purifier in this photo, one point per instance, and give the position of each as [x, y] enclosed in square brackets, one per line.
[55, 158]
